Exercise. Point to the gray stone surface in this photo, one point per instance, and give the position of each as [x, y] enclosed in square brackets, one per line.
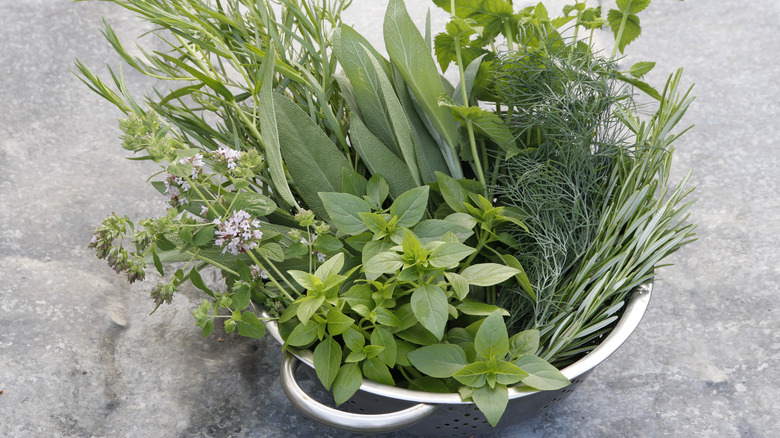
[79, 355]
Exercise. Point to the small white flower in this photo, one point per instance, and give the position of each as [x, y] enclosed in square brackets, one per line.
[239, 233]
[228, 156]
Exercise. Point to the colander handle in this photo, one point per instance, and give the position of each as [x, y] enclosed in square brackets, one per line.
[365, 423]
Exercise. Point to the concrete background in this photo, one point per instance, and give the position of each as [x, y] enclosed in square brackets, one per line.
[79, 355]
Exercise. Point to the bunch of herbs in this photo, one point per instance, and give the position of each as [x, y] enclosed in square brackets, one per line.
[387, 219]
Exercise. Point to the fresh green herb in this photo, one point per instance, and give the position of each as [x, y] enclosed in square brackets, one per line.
[407, 231]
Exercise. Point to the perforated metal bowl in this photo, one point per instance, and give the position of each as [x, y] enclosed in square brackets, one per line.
[379, 408]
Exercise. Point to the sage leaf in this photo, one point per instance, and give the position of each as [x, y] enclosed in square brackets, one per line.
[379, 159]
[401, 129]
[409, 53]
[354, 53]
[438, 360]
[254, 203]
[269, 130]
[327, 361]
[315, 163]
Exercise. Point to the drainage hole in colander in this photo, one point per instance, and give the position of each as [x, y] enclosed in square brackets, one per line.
[466, 414]
[455, 420]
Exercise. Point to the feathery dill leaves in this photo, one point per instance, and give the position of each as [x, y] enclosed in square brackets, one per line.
[560, 107]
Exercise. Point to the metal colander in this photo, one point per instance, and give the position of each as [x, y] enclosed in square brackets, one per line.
[377, 408]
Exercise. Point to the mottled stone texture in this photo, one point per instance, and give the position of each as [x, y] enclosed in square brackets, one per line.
[79, 355]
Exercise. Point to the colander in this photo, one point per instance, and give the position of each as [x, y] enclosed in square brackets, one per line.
[378, 408]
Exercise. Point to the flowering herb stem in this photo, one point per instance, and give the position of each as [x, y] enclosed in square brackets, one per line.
[271, 277]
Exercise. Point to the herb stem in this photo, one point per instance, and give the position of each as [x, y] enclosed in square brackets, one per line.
[271, 277]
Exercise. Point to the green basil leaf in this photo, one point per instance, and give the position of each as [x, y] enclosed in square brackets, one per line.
[303, 334]
[508, 373]
[448, 255]
[459, 285]
[541, 375]
[487, 274]
[434, 229]
[353, 183]
[438, 360]
[330, 268]
[478, 308]
[338, 322]
[386, 317]
[353, 339]
[491, 402]
[492, 340]
[472, 375]
[376, 370]
[410, 206]
[382, 263]
[377, 190]
[347, 382]
[453, 193]
[343, 210]
[382, 337]
[429, 304]
[308, 306]
[327, 361]
[525, 342]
